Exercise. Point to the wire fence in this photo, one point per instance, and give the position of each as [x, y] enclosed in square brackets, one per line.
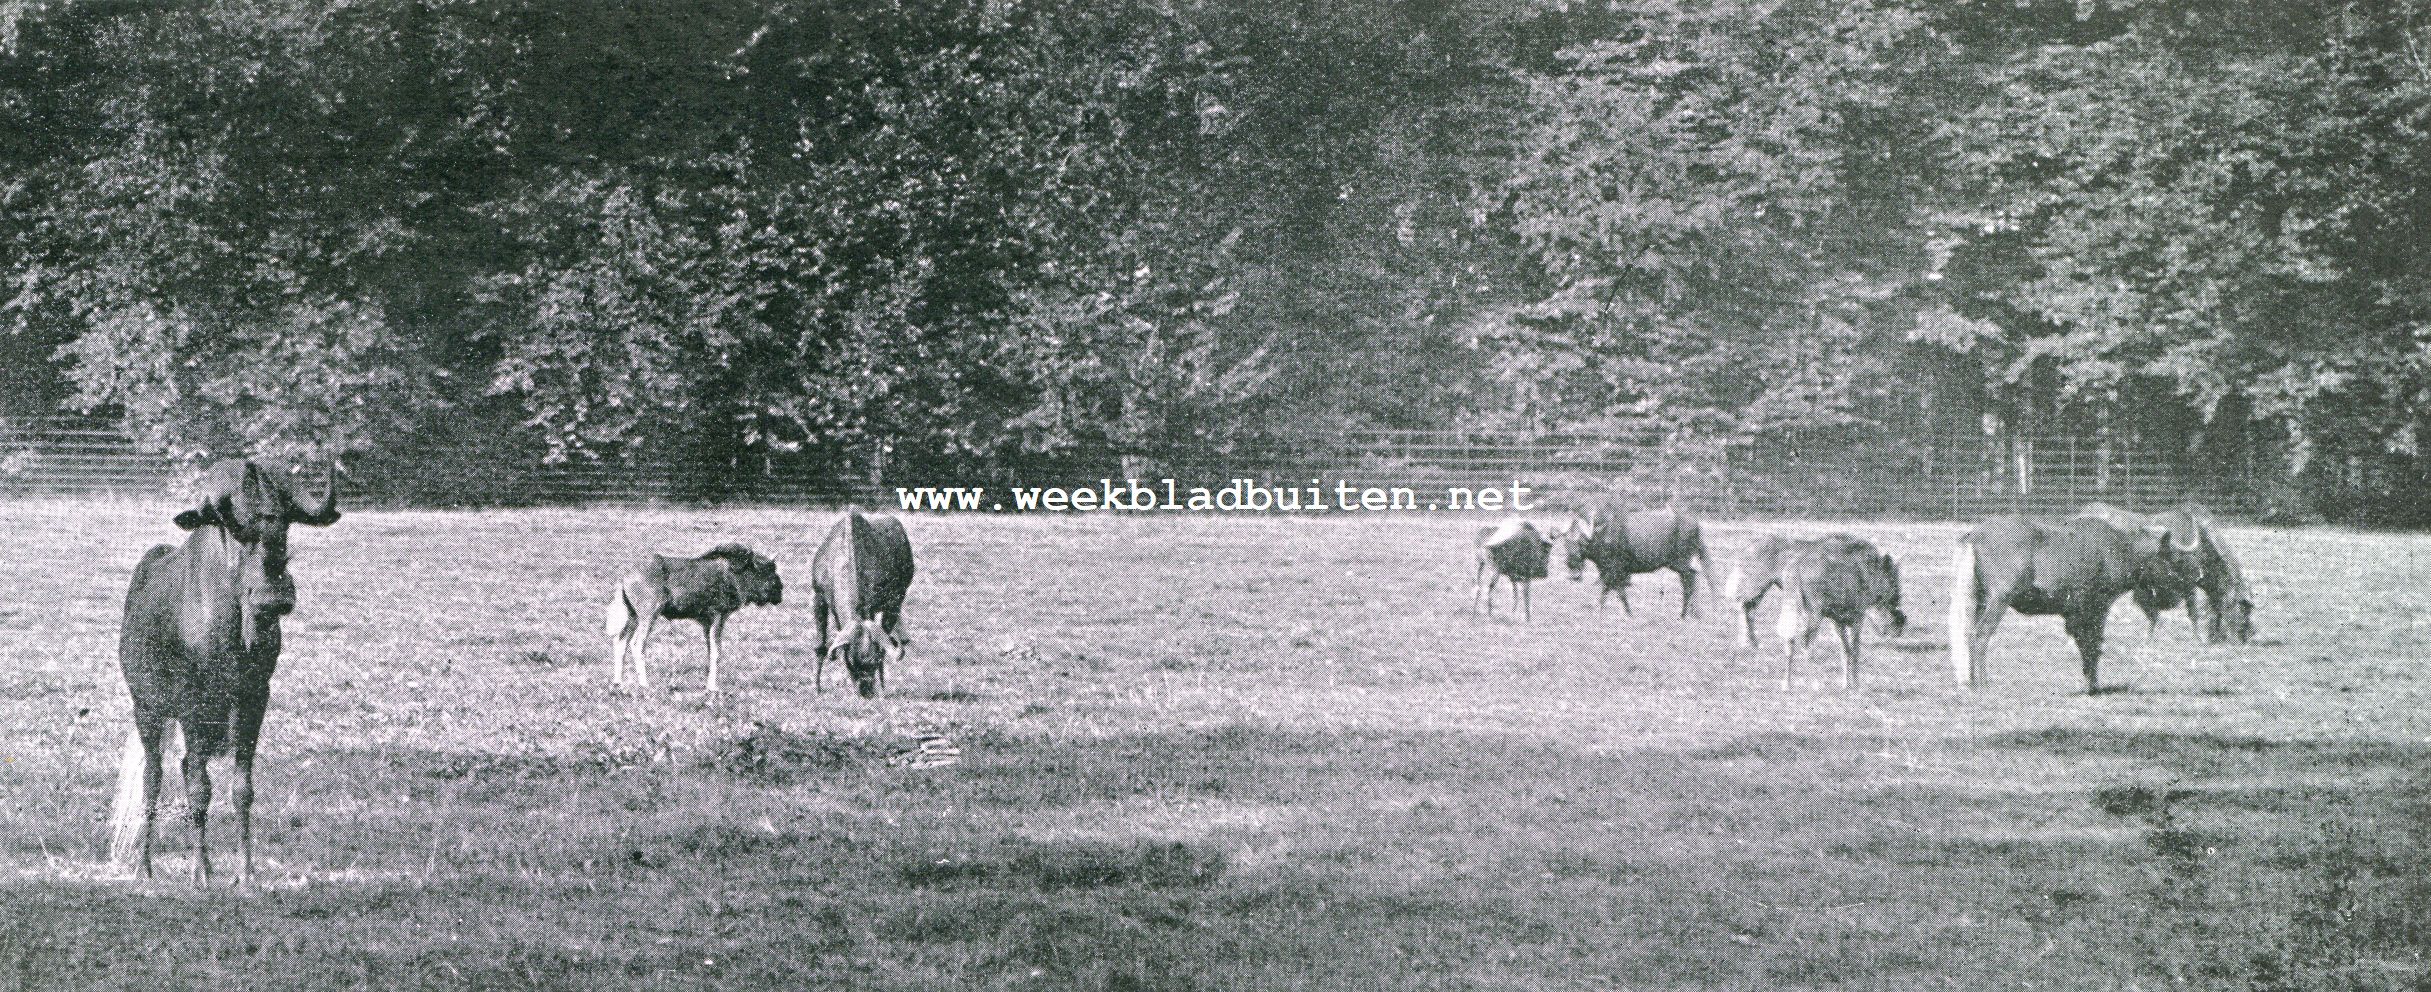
[1852, 473]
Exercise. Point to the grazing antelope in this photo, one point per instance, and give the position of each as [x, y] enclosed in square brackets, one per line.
[2074, 570]
[858, 579]
[1514, 550]
[2213, 572]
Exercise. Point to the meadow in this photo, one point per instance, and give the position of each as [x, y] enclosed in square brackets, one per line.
[1200, 752]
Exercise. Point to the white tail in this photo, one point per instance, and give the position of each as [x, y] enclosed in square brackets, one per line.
[1732, 603]
[1793, 623]
[620, 613]
[1963, 662]
[1502, 535]
[126, 810]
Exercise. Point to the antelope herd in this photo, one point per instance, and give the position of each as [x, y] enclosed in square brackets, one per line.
[201, 637]
[2074, 569]
[201, 634]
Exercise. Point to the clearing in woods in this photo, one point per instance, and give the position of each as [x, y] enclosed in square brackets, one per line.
[1221, 753]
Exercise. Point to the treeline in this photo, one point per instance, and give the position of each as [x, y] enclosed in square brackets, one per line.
[971, 232]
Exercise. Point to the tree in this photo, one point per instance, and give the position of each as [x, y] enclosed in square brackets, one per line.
[2204, 212]
[1717, 199]
[237, 226]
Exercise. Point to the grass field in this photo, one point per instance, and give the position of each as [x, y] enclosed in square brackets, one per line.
[1203, 753]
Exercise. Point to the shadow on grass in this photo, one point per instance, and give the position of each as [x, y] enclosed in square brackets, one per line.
[1071, 865]
[2203, 755]
[1234, 856]
[497, 871]
[1769, 745]
[1911, 645]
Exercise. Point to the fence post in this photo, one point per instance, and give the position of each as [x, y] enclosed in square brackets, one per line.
[2075, 496]
[1956, 479]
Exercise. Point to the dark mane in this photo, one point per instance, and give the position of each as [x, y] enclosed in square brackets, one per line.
[734, 554]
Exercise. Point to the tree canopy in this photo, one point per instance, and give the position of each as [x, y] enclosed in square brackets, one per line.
[965, 229]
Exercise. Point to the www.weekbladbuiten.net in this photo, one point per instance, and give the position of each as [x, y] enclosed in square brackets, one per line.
[1248, 495]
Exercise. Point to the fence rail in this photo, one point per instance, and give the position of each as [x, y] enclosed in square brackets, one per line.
[1850, 475]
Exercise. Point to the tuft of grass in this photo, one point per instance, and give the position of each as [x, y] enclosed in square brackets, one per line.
[2132, 801]
[772, 755]
[1146, 864]
[538, 659]
[1072, 865]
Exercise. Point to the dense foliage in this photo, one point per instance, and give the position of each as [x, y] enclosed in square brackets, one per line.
[2210, 208]
[961, 230]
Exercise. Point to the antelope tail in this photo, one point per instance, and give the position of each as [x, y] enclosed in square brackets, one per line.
[1793, 621]
[127, 808]
[126, 811]
[1735, 607]
[620, 612]
[1963, 663]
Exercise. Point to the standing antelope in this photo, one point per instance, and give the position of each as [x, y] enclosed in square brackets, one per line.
[708, 589]
[199, 643]
[1623, 542]
[1837, 579]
